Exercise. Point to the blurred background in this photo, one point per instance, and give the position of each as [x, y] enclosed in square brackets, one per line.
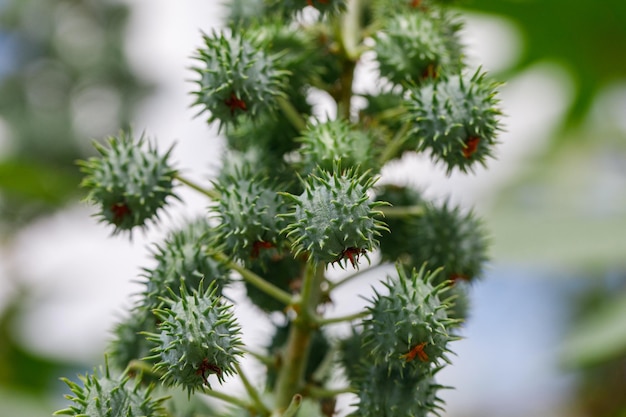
[547, 333]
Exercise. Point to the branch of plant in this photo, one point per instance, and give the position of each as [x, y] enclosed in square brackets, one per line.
[212, 194]
[259, 282]
[394, 147]
[291, 374]
[252, 392]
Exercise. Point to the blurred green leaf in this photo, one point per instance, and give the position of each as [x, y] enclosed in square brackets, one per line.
[38, 182]
[588, 38]
[600, 336]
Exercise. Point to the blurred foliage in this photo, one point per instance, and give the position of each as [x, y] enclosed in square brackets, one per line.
[587, 38]
[64, 80]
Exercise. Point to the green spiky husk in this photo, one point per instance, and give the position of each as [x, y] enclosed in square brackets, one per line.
[104, 396]
[129, 182]
[446, 237]
[183, 255]
[334, 219]
[408, 329]
[250, 212]
[236, 77]
[456, 119]
[129, 342]
[416, 46]
[199, 337]
[388, 394]
[324, 144]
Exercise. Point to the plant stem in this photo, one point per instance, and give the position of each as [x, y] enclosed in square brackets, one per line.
[290, 112]
[350, 36]
[293, 364]
[252, 392]
[404, 211]
[395, 145]
[212, 194]
[263, 285]
[317, 392]
[227, 398]
[334, 320]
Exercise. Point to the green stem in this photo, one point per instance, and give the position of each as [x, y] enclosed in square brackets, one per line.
[293, 115]
[291, 374]
[345, 280]
[263, 285]
[394, 147]
[227, 398]
[252, 392]
[403, 211]
[317, 392]
[351, 31]
[294, 406]
[212, 194]
[141, 367]
[341, 319]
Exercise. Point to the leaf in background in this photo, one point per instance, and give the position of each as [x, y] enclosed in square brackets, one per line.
[588, 38]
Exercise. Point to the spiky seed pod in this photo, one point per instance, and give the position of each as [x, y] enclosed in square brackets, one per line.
[416, 46]
[129, 182]
[446, 237]
[334, 219]
[393, 245]
[388, 394]
[297, 51]
[324, 144]
[236, 77]
[104, 396]
[183, 255]
[249, 211]
[456, 119]
[129, 342]
[199, 337]
[408, 330]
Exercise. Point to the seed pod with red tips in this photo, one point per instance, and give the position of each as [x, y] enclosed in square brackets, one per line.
[236, 78]
[456, 119]
[415, 46]
[199, 337]
[334, 219]
[249, 212]
[409, 330]
[129, 182]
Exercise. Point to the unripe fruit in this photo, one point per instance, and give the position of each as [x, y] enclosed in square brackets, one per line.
[249, 212]
[446, 237]
[236, 78]
[416, 46]
[324, 144]
[129, 183]
[104, 396]
[334, 219]
[199, 337]
[384, 393]
[456, 119]
[408, 330]
[183, 255]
